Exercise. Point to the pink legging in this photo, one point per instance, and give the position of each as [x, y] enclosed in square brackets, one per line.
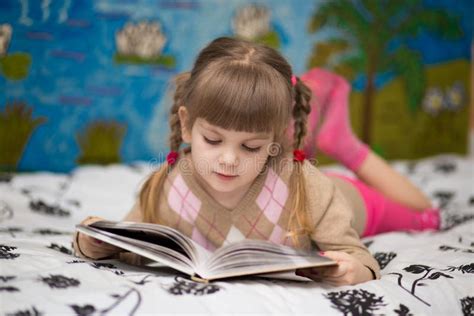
[385, 215]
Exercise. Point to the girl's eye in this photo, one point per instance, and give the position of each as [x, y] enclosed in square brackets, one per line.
[210, 141]
[251, 149]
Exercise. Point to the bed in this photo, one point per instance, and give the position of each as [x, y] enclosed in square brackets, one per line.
[429, 273]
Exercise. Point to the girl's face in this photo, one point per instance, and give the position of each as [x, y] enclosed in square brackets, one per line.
[226, 161]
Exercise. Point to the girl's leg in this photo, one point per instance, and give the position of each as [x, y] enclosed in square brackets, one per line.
[336, 139]
[378, 174]
[385, 215]
[329, 126]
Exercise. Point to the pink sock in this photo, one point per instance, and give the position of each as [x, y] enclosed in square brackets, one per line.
[335, 137]
[393, 216]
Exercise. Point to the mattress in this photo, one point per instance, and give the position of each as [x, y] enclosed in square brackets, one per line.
[427, 273]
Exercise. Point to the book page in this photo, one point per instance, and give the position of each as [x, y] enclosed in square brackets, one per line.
[157, 253]
[158, 234]
[257, 256]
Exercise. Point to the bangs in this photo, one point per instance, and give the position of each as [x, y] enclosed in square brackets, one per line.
[242, 97]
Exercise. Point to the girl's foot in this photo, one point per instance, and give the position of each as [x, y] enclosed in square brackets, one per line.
[335, 137]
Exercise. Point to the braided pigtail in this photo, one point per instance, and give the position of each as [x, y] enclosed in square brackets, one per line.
[299, 222]
[150, 192]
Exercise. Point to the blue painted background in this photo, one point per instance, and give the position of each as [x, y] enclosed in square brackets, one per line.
[73, 79]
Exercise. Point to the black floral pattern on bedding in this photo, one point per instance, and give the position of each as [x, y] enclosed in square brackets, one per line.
[41, 207]
[402, 311]
[443, 197]
[368, 243]
[360, 302]
[143, 280]
[181, 286]
[355, 302]
[6, 287]
[60, 248]
[427, 275]
[26, 312]
[57, 281]
[11, 230]
[107, 266]
[83, 310]
[131, 297]
[6, 212]
[7, 278]
[39, 204]
[50, 232]
[445, 167]
[384, 258]
[467, 305]
[455, 249]
[465, 241]
[464, 268]
[6, 252]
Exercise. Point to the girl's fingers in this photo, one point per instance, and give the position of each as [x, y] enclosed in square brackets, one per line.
[97, 241]
[308, 275]
[332, 272]
[91, 219]
[99, 244]
[338, 256]
[90, 247]
[325, 272]
[94, 248]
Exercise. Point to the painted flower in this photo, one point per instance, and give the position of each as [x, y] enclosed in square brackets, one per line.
[251, 22]
[144, 39]
[455, 96]
[5, 36]
[433, 101]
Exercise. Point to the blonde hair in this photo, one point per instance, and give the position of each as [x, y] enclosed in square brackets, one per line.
[240, 85]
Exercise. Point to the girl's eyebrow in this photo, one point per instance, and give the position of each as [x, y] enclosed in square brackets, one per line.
[261, 136]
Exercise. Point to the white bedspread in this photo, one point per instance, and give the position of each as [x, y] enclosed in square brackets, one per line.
[430, 273]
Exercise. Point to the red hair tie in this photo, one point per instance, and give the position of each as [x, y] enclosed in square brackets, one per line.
[293, 80]
[298, 155]
[172, 157]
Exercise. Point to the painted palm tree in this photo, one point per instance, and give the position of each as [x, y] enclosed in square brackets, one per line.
[17, 124]
[100, 142]
[374, 40]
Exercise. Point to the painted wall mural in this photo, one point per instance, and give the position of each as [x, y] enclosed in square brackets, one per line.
[88, 81]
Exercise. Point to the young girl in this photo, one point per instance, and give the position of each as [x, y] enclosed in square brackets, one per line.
[241, 176]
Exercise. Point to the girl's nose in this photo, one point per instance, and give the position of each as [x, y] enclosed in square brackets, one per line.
[229, 158]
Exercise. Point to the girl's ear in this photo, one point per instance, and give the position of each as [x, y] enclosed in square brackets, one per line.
[183, 120]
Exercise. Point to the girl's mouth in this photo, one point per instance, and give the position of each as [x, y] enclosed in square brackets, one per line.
[226, 176]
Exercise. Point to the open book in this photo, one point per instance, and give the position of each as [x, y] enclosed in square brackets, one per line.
[170, 247]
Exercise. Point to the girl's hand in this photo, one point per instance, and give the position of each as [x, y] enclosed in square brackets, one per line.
[349, 270]
[92, 248]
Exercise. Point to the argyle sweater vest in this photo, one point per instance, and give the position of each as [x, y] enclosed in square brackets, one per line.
[263, 213]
